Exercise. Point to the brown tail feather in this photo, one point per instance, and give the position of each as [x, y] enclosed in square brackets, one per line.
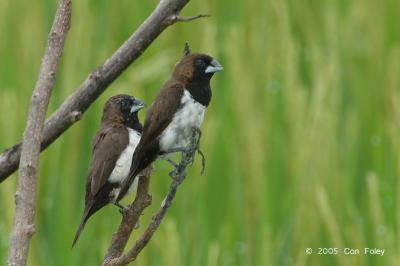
[86, 216]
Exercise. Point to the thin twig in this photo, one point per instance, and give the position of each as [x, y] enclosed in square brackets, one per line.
[25, 196]
[187, 19]
[203, 158]
[203, 161]
[178, 176]
[165, 14]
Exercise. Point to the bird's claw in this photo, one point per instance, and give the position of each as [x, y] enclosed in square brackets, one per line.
[122, 209]
[172, 174]
[176, 176]
[187, 156]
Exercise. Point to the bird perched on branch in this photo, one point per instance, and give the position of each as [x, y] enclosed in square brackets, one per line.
[112, 151]
[178, 109]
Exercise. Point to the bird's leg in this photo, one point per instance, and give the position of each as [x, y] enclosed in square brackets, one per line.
[174, 173]
[174, 150]
[122, 208]
[187, 155]
[174, 164]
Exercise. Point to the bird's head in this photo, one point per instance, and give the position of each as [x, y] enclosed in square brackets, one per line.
[122, 108]
[194, 67]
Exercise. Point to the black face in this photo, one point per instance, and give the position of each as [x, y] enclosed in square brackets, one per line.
[200, 65]
[125, 105]
[129, 107]
[197, 68]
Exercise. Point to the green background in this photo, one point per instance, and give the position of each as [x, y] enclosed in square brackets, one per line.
[302, 137]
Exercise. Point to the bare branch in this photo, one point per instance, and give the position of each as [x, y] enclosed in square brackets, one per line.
[25, 196]
[187, 19]
[130, 217]
[165, 14]
[178, 176]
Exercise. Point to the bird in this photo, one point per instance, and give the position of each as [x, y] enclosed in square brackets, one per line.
[112, 150]
[178, 109]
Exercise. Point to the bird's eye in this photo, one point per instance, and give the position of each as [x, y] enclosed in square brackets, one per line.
[200, 63]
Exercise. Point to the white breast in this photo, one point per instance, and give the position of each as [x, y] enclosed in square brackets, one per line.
[123, 165]
[177, 134]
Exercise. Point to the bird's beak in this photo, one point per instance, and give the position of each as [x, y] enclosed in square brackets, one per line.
[137, 105]
[213, 67]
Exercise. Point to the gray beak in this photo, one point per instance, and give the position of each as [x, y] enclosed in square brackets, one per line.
[214, 66]
[137, 105]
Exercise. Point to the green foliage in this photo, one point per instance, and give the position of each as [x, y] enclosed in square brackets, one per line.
[302, 137]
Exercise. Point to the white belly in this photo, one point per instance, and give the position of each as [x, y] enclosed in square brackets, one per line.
[179, 131]
[123, 165]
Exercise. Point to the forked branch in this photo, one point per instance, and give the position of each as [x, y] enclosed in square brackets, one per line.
[114, 255]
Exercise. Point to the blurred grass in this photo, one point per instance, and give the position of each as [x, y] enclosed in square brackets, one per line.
[302, 137]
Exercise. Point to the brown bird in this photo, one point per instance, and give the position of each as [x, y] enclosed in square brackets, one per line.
[178, 108]
[112, 151]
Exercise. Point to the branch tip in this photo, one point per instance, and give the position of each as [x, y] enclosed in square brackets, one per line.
[187, 19]
[178, 18]
[186, 49]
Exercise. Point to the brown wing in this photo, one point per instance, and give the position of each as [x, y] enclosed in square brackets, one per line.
[161, 112]
[108, 145]
[158, 118]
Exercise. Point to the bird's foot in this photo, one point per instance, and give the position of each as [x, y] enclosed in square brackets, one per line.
[173, 173]
[187, 155]
[176, 174]
[176, 166]
[122, 209]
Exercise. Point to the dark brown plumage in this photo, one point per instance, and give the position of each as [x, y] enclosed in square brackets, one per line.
[179, 107]
[113, 142]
